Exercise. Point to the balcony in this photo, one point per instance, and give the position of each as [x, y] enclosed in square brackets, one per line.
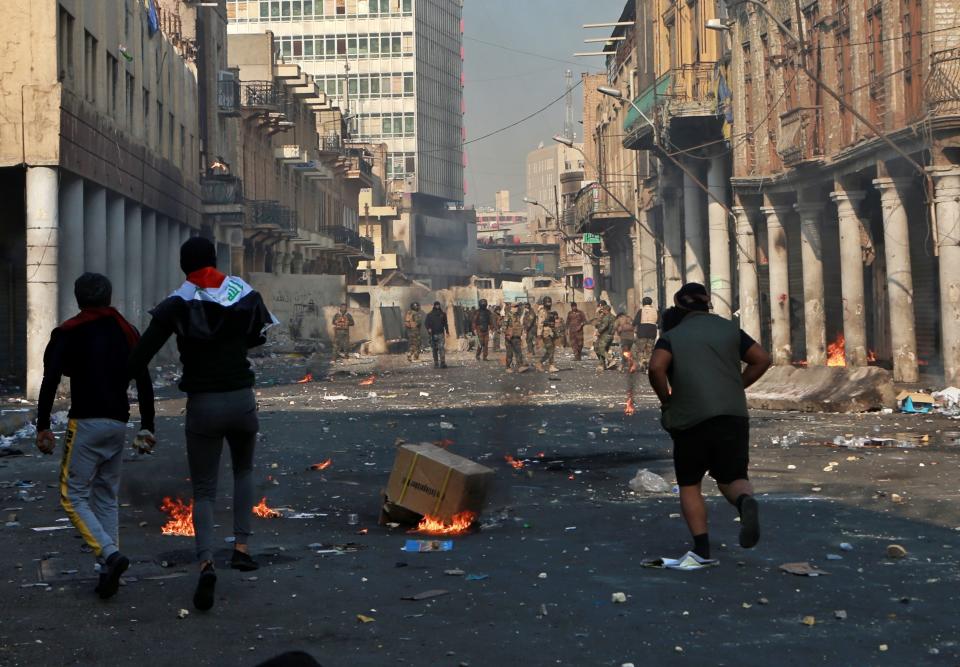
[358, 167]
[595, 208]
[639, 133]
[272, 218]
[228, 97]
[221, 190]
[692, 90]
[348, 242]
[262, 96]
[942, 89]
[801, 136]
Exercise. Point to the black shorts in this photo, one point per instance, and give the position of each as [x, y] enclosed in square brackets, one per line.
[719, 445]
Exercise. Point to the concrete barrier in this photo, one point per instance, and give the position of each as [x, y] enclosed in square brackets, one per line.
[823, 389]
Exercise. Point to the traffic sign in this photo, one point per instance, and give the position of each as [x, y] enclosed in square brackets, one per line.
[591, 239]
[588, 283]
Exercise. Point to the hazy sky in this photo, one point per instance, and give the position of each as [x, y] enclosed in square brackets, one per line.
[503, 86]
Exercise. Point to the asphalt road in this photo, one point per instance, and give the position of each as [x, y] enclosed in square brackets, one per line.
[558, 540]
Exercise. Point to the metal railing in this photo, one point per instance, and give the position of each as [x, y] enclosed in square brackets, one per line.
[221, 190]
[593, 201]
[801, 135]
[359, 163]
[262, 214]
[261, 95]
[694, 85]
[345, 236]
[942, 89]
[228, 96]
[331, 144]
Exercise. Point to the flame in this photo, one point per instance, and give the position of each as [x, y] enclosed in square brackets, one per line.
[628, 355]
[836, 352]
[369, 381]
[323, 465]
[181, 517]
[264, 512]
[458, 525]
[871, 357]
[514, 462]
[445, 442]
[629, 409]
[305, 379]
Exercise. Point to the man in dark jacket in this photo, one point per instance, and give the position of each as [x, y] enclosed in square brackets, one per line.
[696, 373]
[437, 329]
[216, 319]
[92, 350]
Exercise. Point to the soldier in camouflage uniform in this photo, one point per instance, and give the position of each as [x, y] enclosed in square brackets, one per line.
[413, 323]
[604, 323]
[497, 324]
[342, 322]
[515, 328]
[549, 333]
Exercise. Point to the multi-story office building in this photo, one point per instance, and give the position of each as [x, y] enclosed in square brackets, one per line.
[394, 66]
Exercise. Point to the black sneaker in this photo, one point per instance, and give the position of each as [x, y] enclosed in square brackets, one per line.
[206, 587]
[109, 584]
[243, 562]
[749, 522]
[443, 365]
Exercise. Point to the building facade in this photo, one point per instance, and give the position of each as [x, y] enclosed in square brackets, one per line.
[394, 67]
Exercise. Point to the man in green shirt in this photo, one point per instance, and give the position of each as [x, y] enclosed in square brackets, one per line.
[697, 374]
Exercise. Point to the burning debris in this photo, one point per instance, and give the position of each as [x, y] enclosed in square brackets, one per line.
[181, 517]
[368, 381]
[306, 379]
[630, 409]
[837, 353]
[460, 524]
[323, 465]
[515, 463]
[264, 512]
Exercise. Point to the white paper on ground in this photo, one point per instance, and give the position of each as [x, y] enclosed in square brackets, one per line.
[687, 562]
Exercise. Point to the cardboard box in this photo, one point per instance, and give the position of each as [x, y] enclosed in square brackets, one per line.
[431, 481]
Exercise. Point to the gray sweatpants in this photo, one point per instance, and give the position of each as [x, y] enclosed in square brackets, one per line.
[211, 418]
[90, 481]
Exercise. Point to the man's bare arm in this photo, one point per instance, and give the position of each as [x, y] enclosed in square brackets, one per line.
[659, 364]
[757, 362]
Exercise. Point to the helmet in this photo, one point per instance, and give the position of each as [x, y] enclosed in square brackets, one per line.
[547, 301]
[483, 303]
[414, 306]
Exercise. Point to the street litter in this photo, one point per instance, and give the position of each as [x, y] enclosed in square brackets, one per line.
[915, 402]
[477, 577]
[809, 621]
[686, 563]
[336, 397]
[803, 569]
[432, 482]
[618, 598]
[183, 613]
[365, 619]
[447, 426]
[426, 595]
[424, 546]
[306, 379]
[949, 399]
[648, 482]
[894, 551]
[454, 573]
[48, 529]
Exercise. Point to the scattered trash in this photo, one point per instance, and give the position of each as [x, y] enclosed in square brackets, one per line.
[834, 557]
[323, 465]
[425, 394]
[183, 613]
[883, 647]
[687, 562]
[809, 621]
[454, 573]
[336, 397]
[460, 524]
[48, 529]
[477, 577]
[542, 575]
[423, 546]
[426, 595]
[895, 551]
[618, 598]
[840, 615]
[846, 546]
[365, 619]
[447, 426]
[648, 482]
[803, 569]
[915, 402]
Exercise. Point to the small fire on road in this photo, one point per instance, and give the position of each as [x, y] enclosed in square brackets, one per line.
[323, 465]
[306, 379]
[181, 517]
[514, 462]
[460, 524]
[369, 381]
[264, 512]
[630, 409]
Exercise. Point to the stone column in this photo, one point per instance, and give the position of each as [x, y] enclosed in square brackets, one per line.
[70, 254]
[695, 253]
[747, 274]
[779, 284]
[672, 242]
[148, 265]
[94, 228]
[43, 209]
[811, 249]
[164, 284]
[851, 276]
[591, 270]
[896, 243]
[721, 285]
[174, 274]
[947, 201]
[133, 264]
[116, 250]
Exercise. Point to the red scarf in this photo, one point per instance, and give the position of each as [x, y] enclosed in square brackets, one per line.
[92, 314]
[206, 278]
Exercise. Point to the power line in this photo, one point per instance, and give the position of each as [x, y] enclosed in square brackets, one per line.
[530, 53]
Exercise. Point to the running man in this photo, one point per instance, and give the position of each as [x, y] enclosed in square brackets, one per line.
[696, 373]
[91, 349]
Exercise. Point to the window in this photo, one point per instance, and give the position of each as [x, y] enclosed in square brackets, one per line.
[875, 61]
[65, 30]
[147, 126]
[129, 97]
[170, 154]
[184, 154]
[844, 64]
[748, 99]
[159, 144]
[113, 75]
[912, 57]
[89, 67]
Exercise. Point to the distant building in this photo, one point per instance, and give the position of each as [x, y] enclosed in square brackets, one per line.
[503, 200]
[496, 226]
[544, 167]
